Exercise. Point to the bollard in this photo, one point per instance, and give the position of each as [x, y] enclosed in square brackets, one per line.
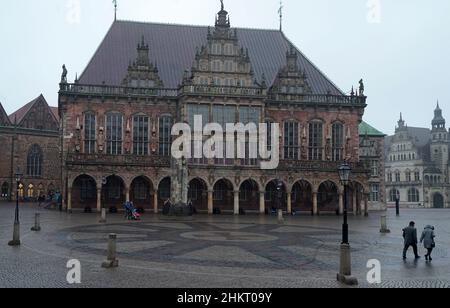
[103, 219]
[37, 223]
[384, 228]
[111, 261]
[280, 216]
[345, 273]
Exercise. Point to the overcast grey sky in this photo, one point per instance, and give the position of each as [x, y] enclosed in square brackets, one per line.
[403, 53]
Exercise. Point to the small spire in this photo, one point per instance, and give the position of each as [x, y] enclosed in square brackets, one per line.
[115, 9]
[280, 13]
[222, 7]
[401, 116]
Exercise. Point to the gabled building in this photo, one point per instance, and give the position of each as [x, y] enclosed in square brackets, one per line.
[417, 164]
[30, 142]
[371, 153]
[144, 77]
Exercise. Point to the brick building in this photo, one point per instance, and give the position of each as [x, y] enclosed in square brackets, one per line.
[117, 118]
[30, 143]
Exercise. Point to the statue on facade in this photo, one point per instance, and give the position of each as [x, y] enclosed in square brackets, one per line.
[361, 87]
[64, 74]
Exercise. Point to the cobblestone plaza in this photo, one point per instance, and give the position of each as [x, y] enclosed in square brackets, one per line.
[216, 251]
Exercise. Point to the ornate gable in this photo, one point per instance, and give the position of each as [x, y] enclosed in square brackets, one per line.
[4, 120]
[291, 79]
[222, 62]
[39, 116]
[142, 73]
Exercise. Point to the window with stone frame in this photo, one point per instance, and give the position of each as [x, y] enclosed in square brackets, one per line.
[374, 193]
[114, 130]
[249, 115]
[389, 177]
[408, 176]
[315, 140]
[337, 142]
[165, 138]
[393, 195]
[89, 133]
[374, 168]
[224, 115]
[34, 161]
[141, 124]
[194, 110]
[397, 176]
[291, 140]
[413, 195]
[417, 176]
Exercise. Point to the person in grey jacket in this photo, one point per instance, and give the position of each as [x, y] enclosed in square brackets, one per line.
[427, 239]
[410, 236]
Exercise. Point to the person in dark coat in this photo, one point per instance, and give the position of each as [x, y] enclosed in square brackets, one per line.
[427, 239]
[410, 236]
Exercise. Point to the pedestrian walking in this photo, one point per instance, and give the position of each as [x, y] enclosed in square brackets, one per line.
[410, 237]
[427, 239]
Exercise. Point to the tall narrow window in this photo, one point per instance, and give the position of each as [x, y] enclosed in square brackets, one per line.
[315, 141]
[291, 140]
[374, 168]
[338, 142]
[197, 145]
[249, 115]
[224, 115]
[375, 192]
[89, 133]
[165, 127]
[140, 135]
[114, 134]
[34, 161]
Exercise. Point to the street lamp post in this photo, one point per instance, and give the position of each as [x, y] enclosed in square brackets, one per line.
[16, 232]
[345, 273]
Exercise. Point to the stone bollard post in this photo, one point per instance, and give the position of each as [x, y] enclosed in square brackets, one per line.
[345, 273]
[384, 228]
[103, 218]
[37, 223]
[280, 216]
[111, 261]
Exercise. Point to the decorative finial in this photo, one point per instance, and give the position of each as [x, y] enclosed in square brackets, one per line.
[222, 7]
[280, 13]
[115, 9]
[401, 116]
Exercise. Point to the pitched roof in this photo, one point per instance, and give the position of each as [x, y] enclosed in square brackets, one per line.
[367, 130]
[20, 114]
[55, 112]
[173, 48]
[4, 120]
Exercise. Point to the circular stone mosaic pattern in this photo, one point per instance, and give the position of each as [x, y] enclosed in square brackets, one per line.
[228, 236]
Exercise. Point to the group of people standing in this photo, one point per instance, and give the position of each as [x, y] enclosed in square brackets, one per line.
[411, 240]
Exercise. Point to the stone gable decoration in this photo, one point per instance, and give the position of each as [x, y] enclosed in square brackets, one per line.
[141, 72]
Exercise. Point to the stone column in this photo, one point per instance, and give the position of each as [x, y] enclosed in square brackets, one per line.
[315, 205]
[355, 205]
[127, 194]
[69, 199]
[262, 202]
[155, 202]
[289, 203]
[236, 203]
[99, 200]
[210, 202]
[341, 203]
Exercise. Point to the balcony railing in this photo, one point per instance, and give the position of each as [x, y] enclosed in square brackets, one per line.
[164, 161]
[104, 90]
[222, 90]
[118, 160]
[119, 91]
[318, 98]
